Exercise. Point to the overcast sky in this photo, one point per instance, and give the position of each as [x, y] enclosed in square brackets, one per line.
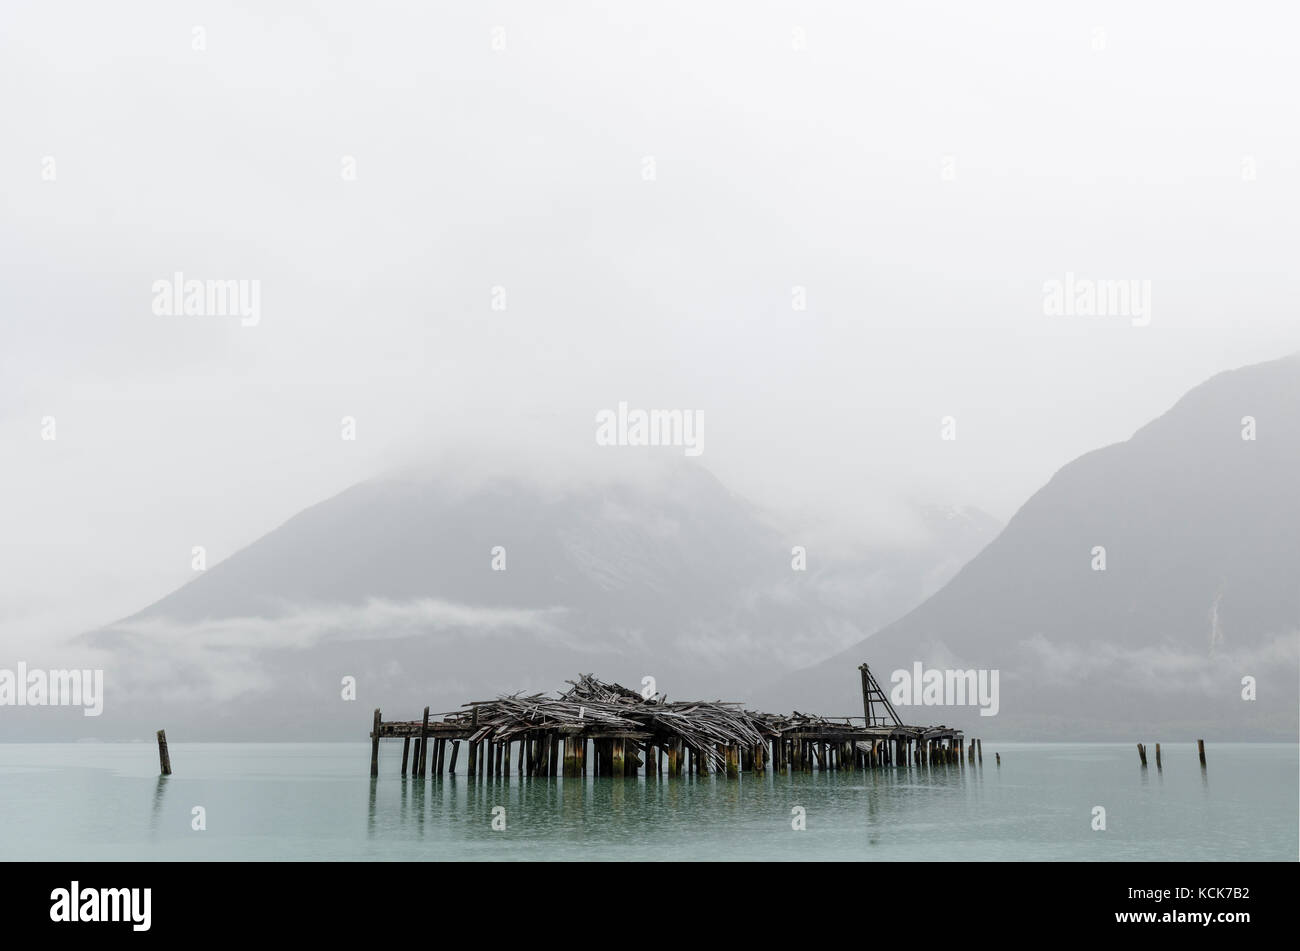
[648, 185]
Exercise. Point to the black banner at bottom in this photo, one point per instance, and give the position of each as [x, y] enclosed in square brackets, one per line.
[134, 901]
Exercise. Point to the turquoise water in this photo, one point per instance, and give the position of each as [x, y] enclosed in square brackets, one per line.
[316, 801]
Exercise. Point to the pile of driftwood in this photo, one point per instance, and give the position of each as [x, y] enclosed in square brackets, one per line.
[592, 704]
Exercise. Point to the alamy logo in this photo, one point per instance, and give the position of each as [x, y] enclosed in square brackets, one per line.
[656, 427]
[52, 688]
[1075, 297]
[945, 688]
[193, 298]
[102, 904]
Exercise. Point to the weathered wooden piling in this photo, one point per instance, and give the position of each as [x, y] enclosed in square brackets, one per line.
[1158, 763]
[455, 751]
[979, 746]
[999, 758]
[406, 751]
[1142, 754]
[424, 744]
[165, 760]
[570, 756]
[374, 747]
[1200, 749]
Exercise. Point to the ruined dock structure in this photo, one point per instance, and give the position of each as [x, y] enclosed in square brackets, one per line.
[604, 729]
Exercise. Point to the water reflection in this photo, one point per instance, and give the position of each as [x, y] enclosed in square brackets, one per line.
[156, 814]
[1032, 809]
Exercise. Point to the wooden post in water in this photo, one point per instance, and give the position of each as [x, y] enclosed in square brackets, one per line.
[616, 757]
[979, 745]
[406, 751]
[1158, 763]
[733, 766]
[165, 760]
[440, 764]
[1200, 748]
[570, 756]
[473, 747]
[374, 747]
[424, 744]
[1142, 754]
[999, 758]
[455, 751]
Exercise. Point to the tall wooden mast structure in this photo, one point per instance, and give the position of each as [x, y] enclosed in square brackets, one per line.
[873, 695]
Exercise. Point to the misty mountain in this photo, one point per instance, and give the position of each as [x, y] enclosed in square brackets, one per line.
[1200, 588]
[431, 592]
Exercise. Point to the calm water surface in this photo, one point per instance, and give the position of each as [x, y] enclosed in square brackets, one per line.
[316, 801]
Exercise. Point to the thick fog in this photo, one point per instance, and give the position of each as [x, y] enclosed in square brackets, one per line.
[471, 228]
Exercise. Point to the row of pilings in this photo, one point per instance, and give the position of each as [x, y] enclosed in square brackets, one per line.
[435, 748]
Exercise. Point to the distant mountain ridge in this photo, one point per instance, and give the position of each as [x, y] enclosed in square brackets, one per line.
[392, 582]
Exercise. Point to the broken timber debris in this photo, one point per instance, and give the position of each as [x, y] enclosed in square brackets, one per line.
[625, 731]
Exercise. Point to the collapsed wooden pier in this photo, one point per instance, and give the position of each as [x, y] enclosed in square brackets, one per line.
[604, 729]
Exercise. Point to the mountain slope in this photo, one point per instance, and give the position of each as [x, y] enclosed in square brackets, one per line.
[1201, 587]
